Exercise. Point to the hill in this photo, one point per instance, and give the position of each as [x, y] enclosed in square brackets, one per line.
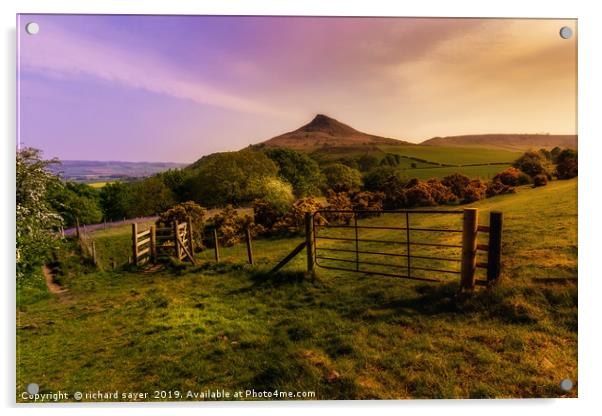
[92, 170]
[507, 141]
[324, 131]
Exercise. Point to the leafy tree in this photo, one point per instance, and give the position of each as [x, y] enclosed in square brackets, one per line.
[175, 180]
[115, 201]
[341, 178]
[36, 222]
[554, 153]
[149, 196]
[226, 178]
[275, 191]
[367, 162]
[298, 169]
[377, 178]
[567, 164]
[533, 163]
[76, 201]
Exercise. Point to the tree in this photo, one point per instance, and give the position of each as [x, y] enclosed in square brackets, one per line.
[175, 180]
[367, 161]
[298, 169]
[188, 211]
[567, 164]
[149, 196]
[341, 178]
[115, 201]
[75, 201]
[36, 222]
[225, 178]
[275, 191]
[533, 163]
[377, 178]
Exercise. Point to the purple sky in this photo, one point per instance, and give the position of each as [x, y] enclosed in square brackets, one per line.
[172, 88]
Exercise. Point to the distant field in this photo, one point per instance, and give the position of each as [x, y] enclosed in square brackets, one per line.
[99, 184]
[454, 155]
[344, 336]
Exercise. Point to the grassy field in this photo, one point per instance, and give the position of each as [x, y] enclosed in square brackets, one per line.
[343, 336]
[454, 155]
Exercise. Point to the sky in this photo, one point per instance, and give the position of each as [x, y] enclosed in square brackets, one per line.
[174, 88]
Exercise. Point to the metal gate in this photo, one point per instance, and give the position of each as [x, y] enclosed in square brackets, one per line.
[390, 243]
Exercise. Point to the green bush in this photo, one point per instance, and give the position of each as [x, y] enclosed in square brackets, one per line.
[294, 220]
[533, 163]
[184, 212]
[341, 178]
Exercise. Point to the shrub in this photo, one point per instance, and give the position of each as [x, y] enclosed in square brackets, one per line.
[339, 201]
[533, 163]
[265, 214]
[230, 226]
[457, 184]
[275, 191]
[342, 178]
[567, 164]
[298, 169]
[377, 179]
[418, 194]
[441, 193]
[540, 180]
[294, 220]
[511, 177]
[394, 190]
[497, 187]
[182, 213]
[474, 191]
[367, 201]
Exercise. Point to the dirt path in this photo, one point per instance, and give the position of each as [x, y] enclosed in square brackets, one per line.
[53, 287]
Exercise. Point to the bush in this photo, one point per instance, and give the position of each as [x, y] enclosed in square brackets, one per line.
[294, 220]
[265, 215]
[441, 193]
[457, 184]
[298, 169]
[418, 194]
[182, 213]
[378, 178]
[230, 226]
[540, 180]
[567, 164]
[533, 163]
[273, 190]
[497, 187]
[474, 191]
[512, 177]
[339, 201]
[341, 178]
[367, 201]
[394, 190]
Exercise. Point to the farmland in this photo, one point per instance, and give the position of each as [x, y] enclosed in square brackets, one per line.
[344, 335]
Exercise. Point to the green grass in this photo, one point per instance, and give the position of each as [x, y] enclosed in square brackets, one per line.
[344, 335]
[454, 155]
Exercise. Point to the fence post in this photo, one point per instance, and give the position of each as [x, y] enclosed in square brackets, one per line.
[249, 248]
[77, 227]
[309, 243]
[153, 243]
[216, 245]
[469, 247]
[94, 253]
[176, 239]
[135, 243]
[190, 240]
[494, 256]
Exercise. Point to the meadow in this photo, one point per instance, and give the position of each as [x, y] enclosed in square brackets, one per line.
[342, 335]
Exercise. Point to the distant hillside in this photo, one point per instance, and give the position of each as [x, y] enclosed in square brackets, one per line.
[91, 170]
[324, 131]
[506, 141]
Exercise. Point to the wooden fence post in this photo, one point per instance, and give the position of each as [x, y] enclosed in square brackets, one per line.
[77, 227]
[469, 247]
[190, 240]
[216, 245]
[94, 253]
[153, 243]
[135, 243]
[309, 244]
[494, 255]
[249, 248]
[176, 239]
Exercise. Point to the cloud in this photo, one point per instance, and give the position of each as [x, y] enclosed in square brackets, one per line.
[61, 54]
